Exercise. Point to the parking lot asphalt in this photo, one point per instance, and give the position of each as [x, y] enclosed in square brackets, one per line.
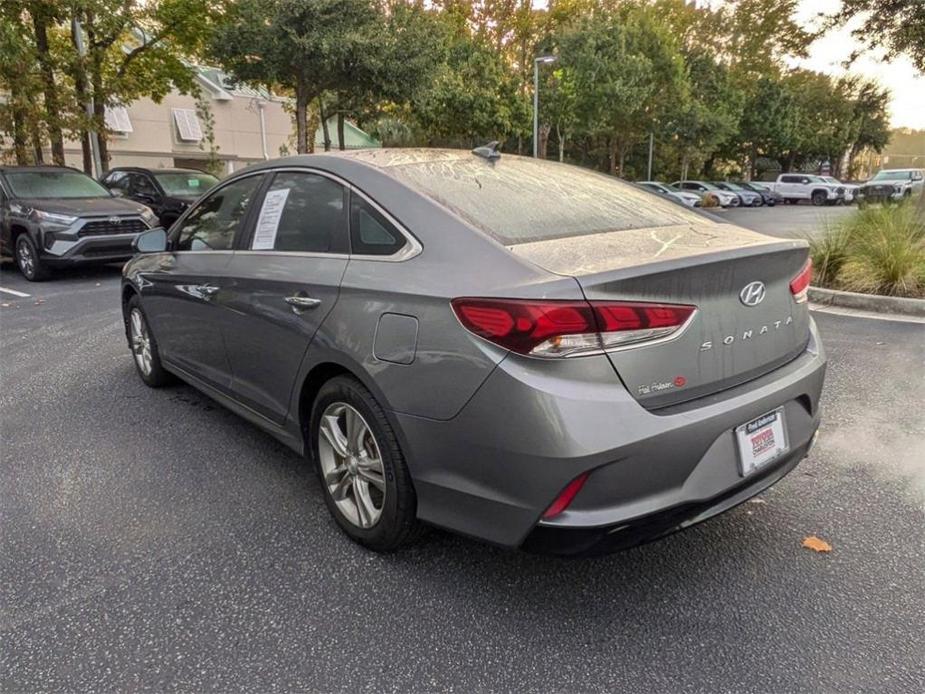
[152, 540]
[801, 221]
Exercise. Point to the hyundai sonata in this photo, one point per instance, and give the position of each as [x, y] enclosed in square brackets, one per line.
[521, 351]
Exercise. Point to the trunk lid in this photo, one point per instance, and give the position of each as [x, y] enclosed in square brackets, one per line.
[707, 265]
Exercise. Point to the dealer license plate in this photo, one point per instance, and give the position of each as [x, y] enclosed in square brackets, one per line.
[761, 441]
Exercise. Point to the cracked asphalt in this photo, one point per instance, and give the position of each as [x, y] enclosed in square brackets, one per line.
[152, 541]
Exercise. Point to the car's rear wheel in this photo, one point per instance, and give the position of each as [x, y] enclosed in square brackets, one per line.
[28, 260]
[366, 483]
[144, 347]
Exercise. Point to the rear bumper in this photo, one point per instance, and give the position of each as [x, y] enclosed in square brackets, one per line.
[492, 470]
[586, 542]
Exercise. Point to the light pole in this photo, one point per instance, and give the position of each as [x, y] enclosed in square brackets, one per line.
[536, 97]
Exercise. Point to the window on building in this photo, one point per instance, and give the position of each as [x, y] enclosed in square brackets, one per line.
[188, 127]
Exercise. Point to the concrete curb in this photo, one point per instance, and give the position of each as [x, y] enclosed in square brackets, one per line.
[867, 302]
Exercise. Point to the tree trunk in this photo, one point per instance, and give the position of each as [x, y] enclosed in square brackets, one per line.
[38, 154]
[612, 158]
[544, 140]
[20, 137]
[80, 89]
[99, 115]
[326, 136]
[685, 163]
[99, 102]
[341, 145]
[753, 163]
[301, 118]
[561, 138]
[52, 111]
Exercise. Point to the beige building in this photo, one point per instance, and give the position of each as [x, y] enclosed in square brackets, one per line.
[249, 125]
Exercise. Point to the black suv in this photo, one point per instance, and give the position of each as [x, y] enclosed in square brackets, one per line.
[52, 216]
[166, 191]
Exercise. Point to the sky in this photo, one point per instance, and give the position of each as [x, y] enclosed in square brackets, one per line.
[907, 109]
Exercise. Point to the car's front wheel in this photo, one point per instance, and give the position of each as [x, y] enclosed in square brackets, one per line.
[819, 198]
[144, 347]
[366, 483]
[28, 260]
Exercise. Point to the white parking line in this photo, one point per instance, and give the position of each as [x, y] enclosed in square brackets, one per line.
[14, 292]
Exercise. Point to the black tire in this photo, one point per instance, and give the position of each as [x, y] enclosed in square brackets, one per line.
[28, 261]
[397, 525]
[156, 376]
[819, 198]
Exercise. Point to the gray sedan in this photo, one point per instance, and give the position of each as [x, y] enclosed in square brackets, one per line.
[522, 351]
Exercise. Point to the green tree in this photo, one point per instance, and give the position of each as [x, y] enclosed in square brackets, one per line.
[709, 115]
[896, 25]
[473, 96]
[768, 122]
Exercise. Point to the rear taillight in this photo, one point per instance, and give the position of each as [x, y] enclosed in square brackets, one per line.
[568, 328]
[799, 285]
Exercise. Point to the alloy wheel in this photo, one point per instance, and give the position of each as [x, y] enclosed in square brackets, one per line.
[351, 464]
[25, 258]
[141, 342]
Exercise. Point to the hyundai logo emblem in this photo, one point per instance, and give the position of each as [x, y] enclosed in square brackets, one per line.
[752, 293]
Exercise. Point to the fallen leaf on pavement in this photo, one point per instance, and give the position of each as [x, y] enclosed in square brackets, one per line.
[819, 545]
[5, 305]
[39, 302]
[757, 501]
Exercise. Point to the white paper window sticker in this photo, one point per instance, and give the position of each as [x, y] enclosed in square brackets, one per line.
[268, 222]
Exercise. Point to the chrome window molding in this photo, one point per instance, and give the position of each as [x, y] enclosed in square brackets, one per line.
[411, 248]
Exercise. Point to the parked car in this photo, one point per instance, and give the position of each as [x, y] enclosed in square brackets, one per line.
[749, 198]
[892, 185]
[770, 197]
[166, 191]
[796, 187]
[710, 192]
[54, 216]
[685, 197]
[851, 190]
[452, 340]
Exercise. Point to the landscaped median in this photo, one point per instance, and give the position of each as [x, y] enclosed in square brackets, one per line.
[875, 261]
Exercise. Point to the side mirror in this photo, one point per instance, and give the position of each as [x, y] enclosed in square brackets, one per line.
[117, 193]
[151, 241]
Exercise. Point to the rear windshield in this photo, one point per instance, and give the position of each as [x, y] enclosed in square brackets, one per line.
[54, 184]
[517, 200]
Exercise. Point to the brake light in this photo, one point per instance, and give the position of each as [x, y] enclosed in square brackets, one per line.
[565, 496]
[568, 328]
[799, 285]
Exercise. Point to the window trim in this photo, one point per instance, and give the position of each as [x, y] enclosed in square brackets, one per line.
[245, 225]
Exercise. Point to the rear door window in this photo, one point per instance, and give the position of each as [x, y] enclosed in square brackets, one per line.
[518, 200]
[304, 213]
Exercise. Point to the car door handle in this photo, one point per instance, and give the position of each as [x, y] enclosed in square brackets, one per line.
[302, 303]
[207, 291]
